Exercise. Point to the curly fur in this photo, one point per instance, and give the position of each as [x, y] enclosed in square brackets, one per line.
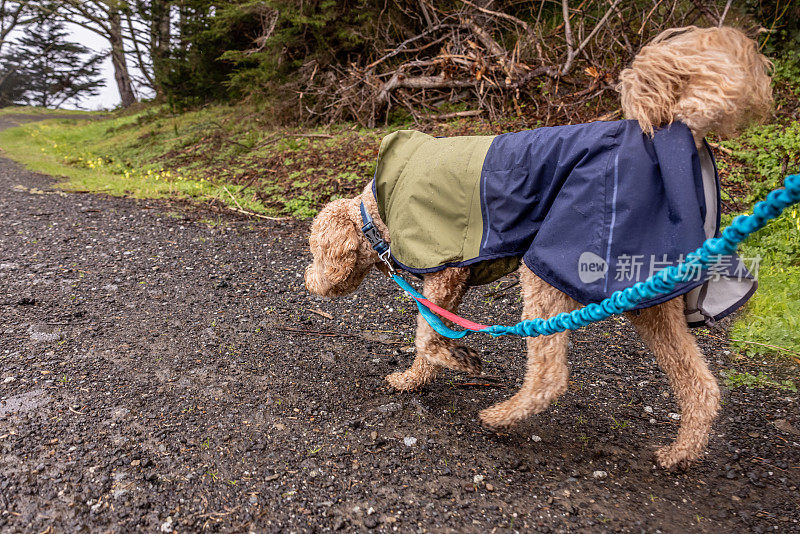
[342, 257]
[710, 79]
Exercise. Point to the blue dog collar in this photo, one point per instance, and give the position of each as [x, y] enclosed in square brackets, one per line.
[375, 239]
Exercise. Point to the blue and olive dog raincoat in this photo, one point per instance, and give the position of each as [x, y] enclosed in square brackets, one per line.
[590, 208]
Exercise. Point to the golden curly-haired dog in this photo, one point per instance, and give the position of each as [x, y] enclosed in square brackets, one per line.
[711, 80]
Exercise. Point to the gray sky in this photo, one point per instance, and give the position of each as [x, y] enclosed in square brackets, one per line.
[109, 95]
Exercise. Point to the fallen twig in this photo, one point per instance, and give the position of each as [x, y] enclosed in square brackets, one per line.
[320, 135]
[502, 290]
[607, 116]
[776, 347]
[246, 212]
[719, 147]
[453, 115]
[322, 313]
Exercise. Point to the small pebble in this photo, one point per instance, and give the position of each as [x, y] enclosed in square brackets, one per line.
[166, 526]
[410, 441]
[536, 438]
[600, 474]
[648, 409]
[392, 407]
[489, 487]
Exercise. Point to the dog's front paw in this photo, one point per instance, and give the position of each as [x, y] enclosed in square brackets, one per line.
[499, 416]
[405, 380]
[467, 360]
[674, 458]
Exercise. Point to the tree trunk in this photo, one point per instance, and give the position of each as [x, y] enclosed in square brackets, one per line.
[121, 74]
[160, 43]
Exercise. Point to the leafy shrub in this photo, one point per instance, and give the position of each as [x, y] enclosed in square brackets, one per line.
[734, 379]
[771, 151]
[772, 319]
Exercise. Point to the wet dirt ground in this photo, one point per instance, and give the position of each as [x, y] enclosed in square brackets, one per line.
[163, 369]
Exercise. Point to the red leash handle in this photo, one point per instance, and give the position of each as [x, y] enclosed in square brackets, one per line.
[450, 316]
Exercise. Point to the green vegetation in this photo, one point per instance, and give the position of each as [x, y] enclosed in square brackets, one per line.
[68, 148]
[223, 155]
[772, 319]
[33, 110]
[735, 379]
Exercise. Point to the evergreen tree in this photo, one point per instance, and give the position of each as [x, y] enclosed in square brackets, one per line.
[44, 68]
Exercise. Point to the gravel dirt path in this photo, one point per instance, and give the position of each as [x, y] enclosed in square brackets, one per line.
[162, 368]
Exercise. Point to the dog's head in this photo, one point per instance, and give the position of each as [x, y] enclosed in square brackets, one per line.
[708, 78]
[342, 255]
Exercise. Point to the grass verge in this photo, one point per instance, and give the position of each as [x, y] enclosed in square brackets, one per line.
[38, 111]
[66, 148]
[771, 323]
[219, 155]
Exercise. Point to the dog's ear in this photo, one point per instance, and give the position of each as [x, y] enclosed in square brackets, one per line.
[334, 241]
[709, 78]
[650, 88]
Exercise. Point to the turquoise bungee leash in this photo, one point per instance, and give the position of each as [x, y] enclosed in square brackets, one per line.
[661, 283]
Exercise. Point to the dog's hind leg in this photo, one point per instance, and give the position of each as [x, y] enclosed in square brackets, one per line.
[664, 329]
[547, 373]
[444, 288]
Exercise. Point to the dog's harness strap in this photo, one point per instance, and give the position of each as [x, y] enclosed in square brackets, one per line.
[425, 306]
[375, 239]
[661, 283]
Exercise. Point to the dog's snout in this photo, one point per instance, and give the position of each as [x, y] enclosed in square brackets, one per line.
[316, 282]
[311, 279]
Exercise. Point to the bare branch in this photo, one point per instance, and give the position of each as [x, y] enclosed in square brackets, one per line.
[571, 54]
[487, 40]
[501, 15]
[724, 13]
[142, 65]
[401, 47]
[567, 35]
[455, 114]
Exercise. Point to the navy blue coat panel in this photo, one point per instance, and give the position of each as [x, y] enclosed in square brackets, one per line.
[567, 200]
[605, 188]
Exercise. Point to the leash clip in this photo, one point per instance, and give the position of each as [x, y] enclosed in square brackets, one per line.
[386, 259]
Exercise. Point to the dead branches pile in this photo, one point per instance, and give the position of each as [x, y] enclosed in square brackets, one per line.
[545, 60]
